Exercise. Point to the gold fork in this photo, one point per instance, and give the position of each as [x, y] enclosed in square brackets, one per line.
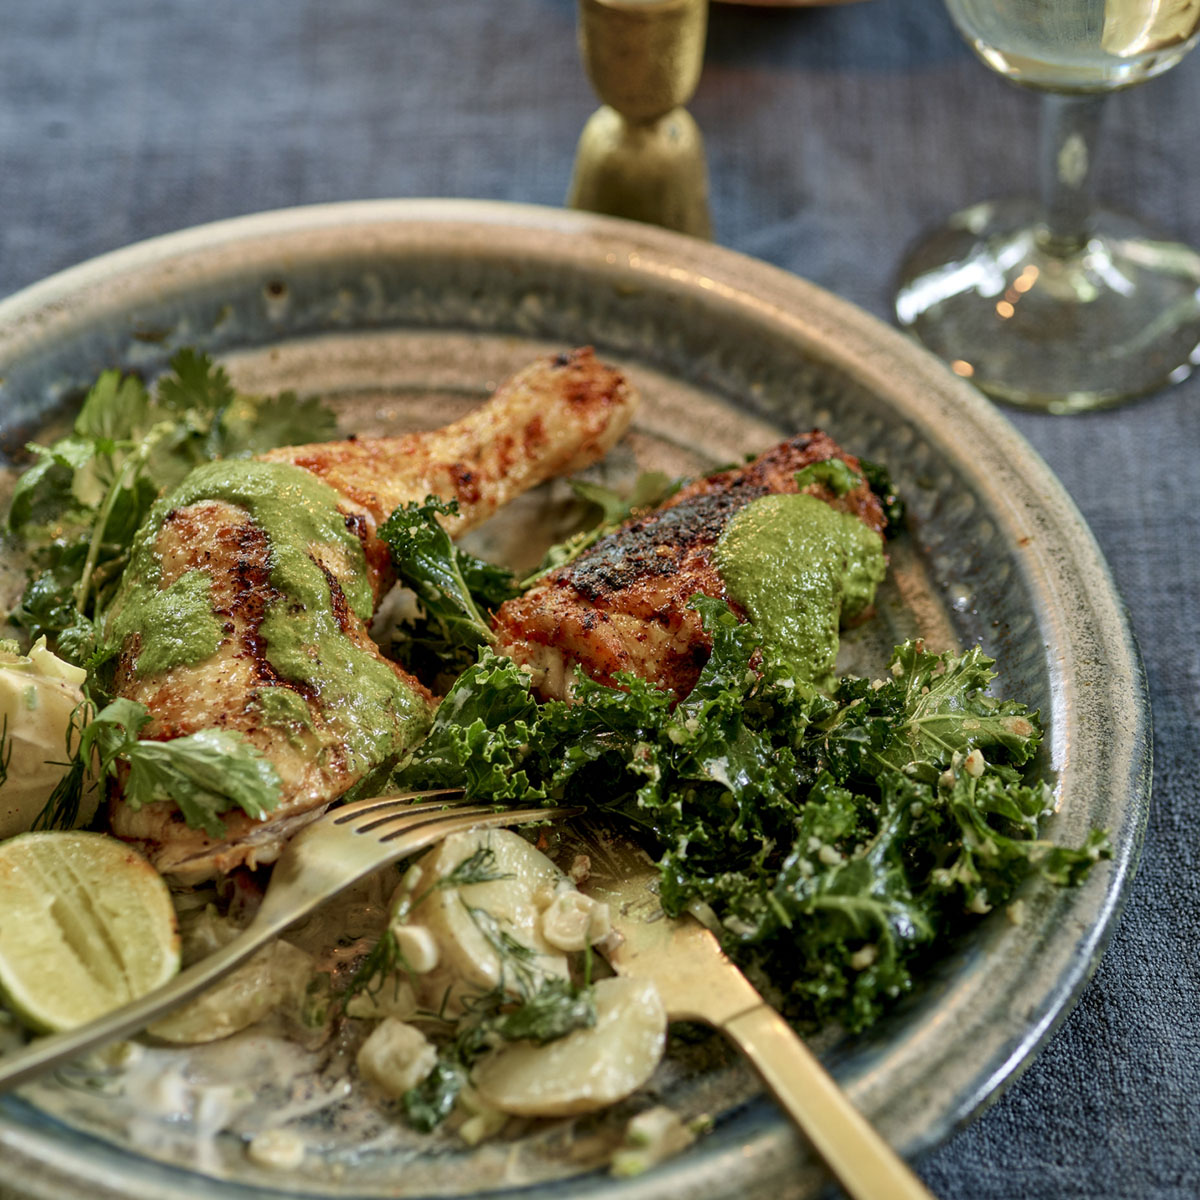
[698, 983]
[336, 850]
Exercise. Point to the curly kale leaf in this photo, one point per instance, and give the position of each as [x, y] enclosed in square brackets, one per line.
[998, 841]
[455, 588]
[880, 482]
[480, 735]
[926, 710]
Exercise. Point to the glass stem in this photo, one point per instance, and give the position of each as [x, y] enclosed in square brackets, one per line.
[1070, 132]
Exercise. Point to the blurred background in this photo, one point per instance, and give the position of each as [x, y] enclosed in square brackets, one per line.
[835, 136]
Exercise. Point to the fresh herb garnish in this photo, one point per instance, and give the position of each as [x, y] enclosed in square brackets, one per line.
[6, 749]
[206, 773]
[477, 867]
[61, 810]
[546, 1011]
[557, 1008]
[78, 506]
[383, 961]
[428, 1104]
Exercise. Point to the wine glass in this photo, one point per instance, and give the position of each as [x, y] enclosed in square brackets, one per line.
[1053, 304]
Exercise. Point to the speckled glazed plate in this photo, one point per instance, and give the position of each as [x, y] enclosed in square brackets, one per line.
[404, 313]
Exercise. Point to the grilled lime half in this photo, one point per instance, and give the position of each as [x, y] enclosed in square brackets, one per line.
[86, 925]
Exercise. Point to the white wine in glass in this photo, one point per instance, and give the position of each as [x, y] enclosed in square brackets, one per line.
[1050, 303]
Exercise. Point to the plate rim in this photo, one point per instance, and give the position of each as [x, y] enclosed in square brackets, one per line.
[849, 338]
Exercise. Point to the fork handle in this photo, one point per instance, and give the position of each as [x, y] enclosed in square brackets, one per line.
[46, 1052]
[863, 1163]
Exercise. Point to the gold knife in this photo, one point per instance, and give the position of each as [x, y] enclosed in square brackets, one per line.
[697, 982]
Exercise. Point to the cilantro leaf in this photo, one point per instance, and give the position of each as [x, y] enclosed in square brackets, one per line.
[252, 424]
[206, 773]
[196, 388]
[117, 408]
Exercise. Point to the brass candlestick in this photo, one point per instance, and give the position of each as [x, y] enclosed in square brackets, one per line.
[641, 154]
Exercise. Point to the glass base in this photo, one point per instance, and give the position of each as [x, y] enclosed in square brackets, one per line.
[1084, 329]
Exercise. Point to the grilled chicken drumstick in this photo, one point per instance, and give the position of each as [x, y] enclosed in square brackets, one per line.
[622, 605]
[251, 588]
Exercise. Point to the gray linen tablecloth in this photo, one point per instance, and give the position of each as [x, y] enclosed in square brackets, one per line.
[835, 135]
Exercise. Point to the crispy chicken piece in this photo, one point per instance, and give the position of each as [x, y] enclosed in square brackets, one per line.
[330, 708]
[622, 604]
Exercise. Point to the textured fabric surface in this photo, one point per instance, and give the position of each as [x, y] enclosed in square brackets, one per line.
[835, 135]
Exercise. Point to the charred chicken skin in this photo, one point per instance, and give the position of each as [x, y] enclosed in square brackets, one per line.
[283, 554]
[622, 606]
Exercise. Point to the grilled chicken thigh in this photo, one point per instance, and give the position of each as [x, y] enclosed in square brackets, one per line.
[622, 605]
[294, 669]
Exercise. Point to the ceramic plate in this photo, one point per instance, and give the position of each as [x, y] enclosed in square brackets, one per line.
[405, 312]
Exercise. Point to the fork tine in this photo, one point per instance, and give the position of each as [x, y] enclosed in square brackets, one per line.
[408, 841]
[410, 801]
[409, 819]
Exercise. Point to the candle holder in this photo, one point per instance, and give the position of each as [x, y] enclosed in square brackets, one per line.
[641, 154]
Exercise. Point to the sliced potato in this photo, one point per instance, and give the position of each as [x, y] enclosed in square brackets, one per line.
[278, 974]
[589, 1068]
[488, 933]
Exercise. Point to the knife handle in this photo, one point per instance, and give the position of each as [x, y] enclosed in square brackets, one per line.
[863, 1163]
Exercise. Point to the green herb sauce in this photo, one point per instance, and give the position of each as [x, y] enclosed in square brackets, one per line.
[375, 712]
[284, 708]
[176, 624]
[799, 568]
